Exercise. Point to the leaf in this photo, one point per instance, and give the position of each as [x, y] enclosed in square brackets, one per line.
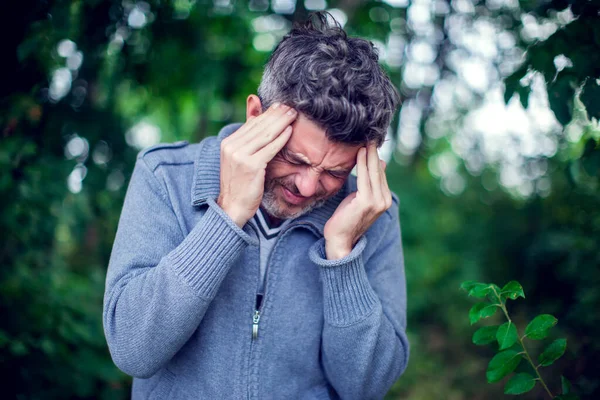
[516, 347]
[539, 327]
[553, 352]
[590, 160]
[560, 95]
[524, 95]
[493, 294]
[485, 335]
[510, 87]
[474, 312]
[512, 290]
[480, 290]
[502, 364]
[507, 335]
[468, 285]
[481, 310]
[512, 82]
[566, 385]
[589, 97]
[488, 311]
[519, 383]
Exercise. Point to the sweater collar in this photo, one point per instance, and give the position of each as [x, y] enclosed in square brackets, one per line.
[206, 180]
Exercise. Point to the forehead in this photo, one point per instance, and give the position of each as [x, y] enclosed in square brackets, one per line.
[310, 141]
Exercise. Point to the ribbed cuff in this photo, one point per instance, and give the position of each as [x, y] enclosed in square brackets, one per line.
[347, 293]
[206, 254]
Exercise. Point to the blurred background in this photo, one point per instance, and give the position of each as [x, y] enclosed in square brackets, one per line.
[494, 155]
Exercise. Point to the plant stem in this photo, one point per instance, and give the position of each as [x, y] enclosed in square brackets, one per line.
[503, 306]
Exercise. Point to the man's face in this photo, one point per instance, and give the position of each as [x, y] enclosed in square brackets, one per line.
[309, 170]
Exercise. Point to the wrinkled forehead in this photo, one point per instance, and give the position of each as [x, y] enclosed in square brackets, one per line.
[310, 142]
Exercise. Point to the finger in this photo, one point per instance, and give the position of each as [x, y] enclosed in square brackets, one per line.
[383, 178]
[362, 175]
[384, 184]
[238, 136]
[374, 172]
[268, 129]
[269, 151]
[245, 133]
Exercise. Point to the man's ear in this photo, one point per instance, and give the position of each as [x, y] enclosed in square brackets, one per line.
[253, 106]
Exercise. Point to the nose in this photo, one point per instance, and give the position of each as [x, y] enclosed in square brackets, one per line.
[307, 182]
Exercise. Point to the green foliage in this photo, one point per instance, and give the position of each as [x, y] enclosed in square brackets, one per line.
[511, 347]
[502, 364]
[590, 93]
[188, 72]
[562, 85]
[519, 383]
[553, 352]
[485, 335]
[565, 385]
[539, 327]
[512, 290]
[507, 335]
[58, 236]
[481, 310]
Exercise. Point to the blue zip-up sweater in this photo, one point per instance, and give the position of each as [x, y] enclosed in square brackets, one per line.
[179, 305]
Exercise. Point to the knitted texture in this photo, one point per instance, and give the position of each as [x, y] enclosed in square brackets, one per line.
[181, 285]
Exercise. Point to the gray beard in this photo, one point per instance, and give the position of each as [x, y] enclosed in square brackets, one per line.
[272, 207]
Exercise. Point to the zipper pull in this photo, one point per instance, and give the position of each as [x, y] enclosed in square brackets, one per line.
[255, 319]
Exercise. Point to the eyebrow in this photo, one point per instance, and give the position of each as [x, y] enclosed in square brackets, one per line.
[301, 158]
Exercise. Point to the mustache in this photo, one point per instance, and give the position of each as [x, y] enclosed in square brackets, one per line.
[291, 186]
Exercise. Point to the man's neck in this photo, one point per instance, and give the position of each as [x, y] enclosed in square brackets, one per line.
[272, 221]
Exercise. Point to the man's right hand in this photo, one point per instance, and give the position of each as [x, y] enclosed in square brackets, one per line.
[244, 157]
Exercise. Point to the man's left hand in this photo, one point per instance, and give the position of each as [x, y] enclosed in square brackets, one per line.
[357, 212]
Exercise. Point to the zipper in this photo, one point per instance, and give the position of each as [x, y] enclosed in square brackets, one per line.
[260, 296]
[260, 301]
[256, 316]
[255, 321]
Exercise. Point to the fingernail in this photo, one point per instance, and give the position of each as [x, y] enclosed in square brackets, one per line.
[291, 111]
[276, 105]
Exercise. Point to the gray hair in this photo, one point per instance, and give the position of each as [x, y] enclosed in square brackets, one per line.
[334, 80]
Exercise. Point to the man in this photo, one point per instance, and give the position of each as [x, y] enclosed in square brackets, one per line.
[282, 276]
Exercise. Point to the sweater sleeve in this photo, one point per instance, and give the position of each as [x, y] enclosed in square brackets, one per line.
[160, 283]
[365, 348]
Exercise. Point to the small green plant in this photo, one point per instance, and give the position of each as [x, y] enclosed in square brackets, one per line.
[511, 346]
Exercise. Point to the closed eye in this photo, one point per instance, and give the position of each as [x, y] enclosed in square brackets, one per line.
[291, 159]
[338, 174]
